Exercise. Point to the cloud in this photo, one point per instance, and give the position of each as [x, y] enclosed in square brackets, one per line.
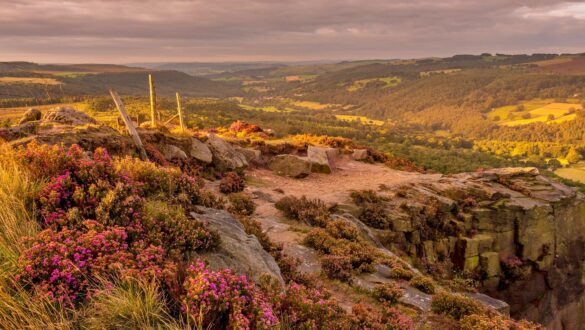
[182, 30]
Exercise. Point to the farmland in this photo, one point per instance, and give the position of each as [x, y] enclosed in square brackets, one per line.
[385, 82]
[534, 111]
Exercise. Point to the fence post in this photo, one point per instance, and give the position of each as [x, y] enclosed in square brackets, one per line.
[180, 111]
[152, 101]
[129, 124]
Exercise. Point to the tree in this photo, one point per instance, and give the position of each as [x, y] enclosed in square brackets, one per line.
[573, 156]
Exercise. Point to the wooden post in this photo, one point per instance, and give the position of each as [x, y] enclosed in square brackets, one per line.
[152, 101]
[129, 124]
[180, 111]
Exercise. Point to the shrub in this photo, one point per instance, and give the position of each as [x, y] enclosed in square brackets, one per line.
[337, 267]
[402, 273]
[320, 240]
[375, 215]
[167, 226]
[241, 203]
[388, 292]
[341, 229]
[323, 140]
[312, 212]
[60, 264]
[454, 305]
[43, 161]
[362, 197]
[494, 321]
[512, 268]
[231, 182]
[365, 317]
[361, 256]
[302, 307]
[223, 300]
[423, 283]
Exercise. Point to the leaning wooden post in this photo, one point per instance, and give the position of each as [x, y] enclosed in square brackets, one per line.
[129, 124]
[180, 112]
[152, 101]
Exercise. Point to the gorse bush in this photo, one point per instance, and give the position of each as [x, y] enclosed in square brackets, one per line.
[312, 212]
[231, 182]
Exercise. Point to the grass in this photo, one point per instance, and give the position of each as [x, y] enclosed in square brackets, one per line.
[538, 110]
[28, 80]
[360, 84]
[573, 173]
[265, 109]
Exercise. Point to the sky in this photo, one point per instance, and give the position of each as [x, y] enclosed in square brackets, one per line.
[125, 31]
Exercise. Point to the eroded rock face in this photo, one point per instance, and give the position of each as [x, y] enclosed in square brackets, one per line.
[238, 250]
[225, 155]
[31, 114]
[291, 166]
[69, 116]
[523, 233]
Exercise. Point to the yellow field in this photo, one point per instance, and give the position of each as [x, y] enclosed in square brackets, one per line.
[265, 109]
[28, 80]
[362, 119]
[556, 60]
[312, 105]
[575, 173]
[389, 82]
[539, 111]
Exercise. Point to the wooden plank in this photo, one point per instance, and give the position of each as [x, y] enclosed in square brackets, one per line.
[170, 119]
[129, 124]
[180, 113]
[152, 101]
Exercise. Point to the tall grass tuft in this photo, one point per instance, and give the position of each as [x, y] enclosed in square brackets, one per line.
[131, 304]
[17, 191]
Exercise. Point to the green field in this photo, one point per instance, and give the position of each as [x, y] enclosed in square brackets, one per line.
[265, 108]
[360, 84]
[527, 112]
[574, 173]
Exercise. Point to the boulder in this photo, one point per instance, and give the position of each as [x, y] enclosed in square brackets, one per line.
[31, 114]
[321, 158]
[172, 152]
[360, 154]
[200, 151]
[252, 155]
[291, 166]
[237, 250]
[69, 116]
[224, 154]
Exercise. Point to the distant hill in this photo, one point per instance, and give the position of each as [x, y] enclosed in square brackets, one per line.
[94, 79]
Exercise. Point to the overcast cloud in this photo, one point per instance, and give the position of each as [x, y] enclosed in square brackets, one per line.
[120, 31]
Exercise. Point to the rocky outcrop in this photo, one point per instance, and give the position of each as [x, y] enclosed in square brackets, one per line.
[520, 232]
[31, 114]
[360, 154]
[200, 151]
[225, 155]
[69, 116]
[238, 250]
[321, 159]
[291, 166]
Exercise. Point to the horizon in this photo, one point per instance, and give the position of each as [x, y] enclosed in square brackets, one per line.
[129, 31]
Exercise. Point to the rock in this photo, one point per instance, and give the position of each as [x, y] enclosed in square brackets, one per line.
[252, 155]
[172, 152]
[321, 158]
[237, 250]
[200, 151]
[69, 116]
[31, 114]
[490, 263]
[224, 154]
[291, 166]
[500, 306]
[360, 154]
[19, 131]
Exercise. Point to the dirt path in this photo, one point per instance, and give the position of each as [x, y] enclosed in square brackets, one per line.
[348, 175]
